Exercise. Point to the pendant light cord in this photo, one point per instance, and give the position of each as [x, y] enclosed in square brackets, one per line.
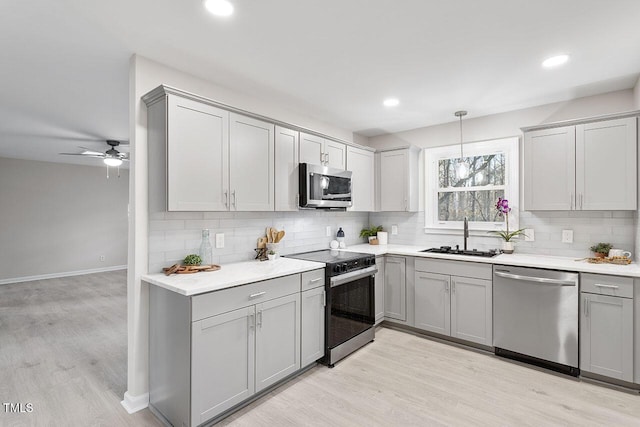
[461, 152]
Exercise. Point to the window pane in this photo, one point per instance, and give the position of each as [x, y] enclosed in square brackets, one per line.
[475, 205]
[483, 170]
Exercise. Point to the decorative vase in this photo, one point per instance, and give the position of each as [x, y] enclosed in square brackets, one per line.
[507, 247]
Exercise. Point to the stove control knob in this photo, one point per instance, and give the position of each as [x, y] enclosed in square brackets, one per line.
[344, 267]
[367, 262]
[336, 268]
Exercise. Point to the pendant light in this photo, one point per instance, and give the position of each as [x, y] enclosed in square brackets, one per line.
[462, 169]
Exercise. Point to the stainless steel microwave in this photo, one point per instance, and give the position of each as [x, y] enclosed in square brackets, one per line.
[324, 188]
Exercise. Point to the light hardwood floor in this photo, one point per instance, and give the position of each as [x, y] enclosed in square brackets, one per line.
[63, 348]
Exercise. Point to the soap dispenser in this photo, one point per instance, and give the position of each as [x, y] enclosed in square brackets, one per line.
[340, 239]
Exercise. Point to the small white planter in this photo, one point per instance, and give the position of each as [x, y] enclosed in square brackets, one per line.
[507, 247]
[272, 256]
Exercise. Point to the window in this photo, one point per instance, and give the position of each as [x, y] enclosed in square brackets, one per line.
[493, 173]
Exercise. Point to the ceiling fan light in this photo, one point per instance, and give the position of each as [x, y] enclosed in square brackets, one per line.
[219, 7]
[112, 161]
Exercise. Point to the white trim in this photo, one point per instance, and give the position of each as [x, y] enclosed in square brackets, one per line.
[510, 146]
[135, 403]
[62, 274]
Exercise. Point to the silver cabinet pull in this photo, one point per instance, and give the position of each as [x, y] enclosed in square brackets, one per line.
[260, 318]
[259, 294]
[233, 193]
[586, 306]
[226, 198]
[446, 286]
[327, 154]
[453, 287]
[605, 286]
[252, 322]
[315, 280]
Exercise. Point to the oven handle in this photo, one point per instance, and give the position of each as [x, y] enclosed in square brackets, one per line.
[353, 275]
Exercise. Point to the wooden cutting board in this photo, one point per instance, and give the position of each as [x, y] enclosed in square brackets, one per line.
[189, 269]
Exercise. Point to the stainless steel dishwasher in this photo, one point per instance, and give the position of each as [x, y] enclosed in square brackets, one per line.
[535, 316]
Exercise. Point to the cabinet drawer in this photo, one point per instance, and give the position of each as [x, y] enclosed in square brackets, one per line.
[212, 303]
[312, 279]
[455, 268]
[607, 285]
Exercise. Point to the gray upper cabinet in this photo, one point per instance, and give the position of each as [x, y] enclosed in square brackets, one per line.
[251, 154]
[197, 153]
[397, 180]
[317, 150]
[286, 169]
[589, 166]
[361, 163]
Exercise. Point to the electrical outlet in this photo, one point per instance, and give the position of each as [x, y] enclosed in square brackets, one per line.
[102, 258]
[328, 231]
[394, 230]
[567, 236]
[529, 235]
[219, 240]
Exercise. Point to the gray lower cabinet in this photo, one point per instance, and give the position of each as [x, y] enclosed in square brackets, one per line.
[457, 305]
[379, 289]
[210, 352]
[395, 288]
[313, 306]
[606, 326]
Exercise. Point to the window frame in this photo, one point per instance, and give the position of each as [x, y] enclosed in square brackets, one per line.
[510, 147]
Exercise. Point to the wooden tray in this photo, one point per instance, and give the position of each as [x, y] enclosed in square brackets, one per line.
[189, 269]
[620, 260]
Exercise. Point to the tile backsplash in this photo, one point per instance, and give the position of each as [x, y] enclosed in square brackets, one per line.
[589, 227]
[172, 235]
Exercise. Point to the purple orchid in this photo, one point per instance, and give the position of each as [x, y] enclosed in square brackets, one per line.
[502, 206]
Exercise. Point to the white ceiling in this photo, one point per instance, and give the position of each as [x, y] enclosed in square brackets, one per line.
[65, 71]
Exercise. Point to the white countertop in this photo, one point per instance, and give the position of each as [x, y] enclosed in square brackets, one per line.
[524, 260]
[230, 275]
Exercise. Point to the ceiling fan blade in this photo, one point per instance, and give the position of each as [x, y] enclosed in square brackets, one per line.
[90, 151]
[97, 156]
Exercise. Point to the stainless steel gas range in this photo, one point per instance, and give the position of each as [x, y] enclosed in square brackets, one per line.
[350, 309]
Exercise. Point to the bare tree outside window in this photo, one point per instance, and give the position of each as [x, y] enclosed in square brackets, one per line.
[473, 197]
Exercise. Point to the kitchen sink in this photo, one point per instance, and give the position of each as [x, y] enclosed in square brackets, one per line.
[451, 251]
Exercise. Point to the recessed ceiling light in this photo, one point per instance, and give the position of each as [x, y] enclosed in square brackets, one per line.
[219, 7]
[391, 102]
[555, 61]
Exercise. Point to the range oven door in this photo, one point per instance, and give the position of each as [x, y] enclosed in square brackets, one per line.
[351, 307]
[323, 187]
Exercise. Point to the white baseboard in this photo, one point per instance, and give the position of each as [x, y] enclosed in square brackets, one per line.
[63, 274]
[135, 403]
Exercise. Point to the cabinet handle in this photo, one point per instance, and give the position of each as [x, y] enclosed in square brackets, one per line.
[233, 193]
[405, 205]
[446, 286]
[586, 307]
[605, 286]
[259, 294]
[252, 323]
[327, 154]
[321, 157]
[315, 280]
[260, 318]
[226, 198]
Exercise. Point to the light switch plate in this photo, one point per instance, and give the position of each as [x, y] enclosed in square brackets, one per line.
[394, 230]
[567, 236]
[219, 240]
[529, 235]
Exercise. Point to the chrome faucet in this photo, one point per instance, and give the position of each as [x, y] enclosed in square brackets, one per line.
[466, 232]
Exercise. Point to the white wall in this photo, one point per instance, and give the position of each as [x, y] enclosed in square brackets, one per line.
[58, 219]
[145, 75]
[617, 228]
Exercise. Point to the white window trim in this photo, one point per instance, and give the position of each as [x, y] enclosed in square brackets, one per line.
[508, 146]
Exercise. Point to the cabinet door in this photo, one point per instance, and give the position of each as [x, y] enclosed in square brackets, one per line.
[222, 371]
[251, 156]
[335, 154]
[393, 180]
[311, 149]
[197, 156]
[395, 289]
[379, 290]
[286, 169]
[277, 340]
[432, 302]
[549, 169]
[606, 165]
[360, 162]
[471, 310]
[313, 307]
[606, 336]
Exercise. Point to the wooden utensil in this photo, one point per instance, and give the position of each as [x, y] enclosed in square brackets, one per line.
[279, 236]
[269, 240]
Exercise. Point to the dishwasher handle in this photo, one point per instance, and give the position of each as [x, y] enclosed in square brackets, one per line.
[542, 280]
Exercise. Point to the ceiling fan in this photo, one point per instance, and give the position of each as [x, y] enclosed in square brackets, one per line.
[111, 157]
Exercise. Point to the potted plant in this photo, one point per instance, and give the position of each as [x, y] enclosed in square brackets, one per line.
[601, 250]
[502, 206]
[192, 259]
[271, 255]
[371, 233]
